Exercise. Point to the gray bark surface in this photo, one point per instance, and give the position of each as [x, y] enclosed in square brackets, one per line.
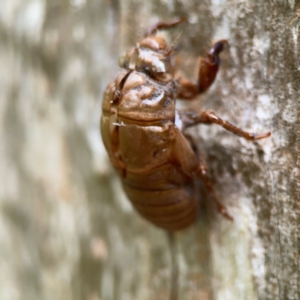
[67, 230]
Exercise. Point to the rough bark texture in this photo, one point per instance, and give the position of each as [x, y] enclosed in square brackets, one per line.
[66, 229]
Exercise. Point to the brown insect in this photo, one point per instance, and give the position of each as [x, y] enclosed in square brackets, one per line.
[144, 134]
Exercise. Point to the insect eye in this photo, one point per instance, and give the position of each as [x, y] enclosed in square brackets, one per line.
[159, 67]
[163, 70]
[154, 64]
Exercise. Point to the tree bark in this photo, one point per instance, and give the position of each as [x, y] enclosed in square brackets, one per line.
[67, 230]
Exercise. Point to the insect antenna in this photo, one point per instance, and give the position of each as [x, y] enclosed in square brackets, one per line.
[174, 44]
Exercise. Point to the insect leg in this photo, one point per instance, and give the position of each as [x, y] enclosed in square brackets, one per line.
[191, 118]
[204, 176]
[208, 68]
[203, 172]
[163, 25]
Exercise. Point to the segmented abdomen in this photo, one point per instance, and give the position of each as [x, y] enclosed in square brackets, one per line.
[168, 205]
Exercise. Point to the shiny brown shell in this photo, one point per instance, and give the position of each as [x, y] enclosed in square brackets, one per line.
[144, 135]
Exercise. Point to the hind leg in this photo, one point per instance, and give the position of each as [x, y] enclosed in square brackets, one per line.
[203, 174]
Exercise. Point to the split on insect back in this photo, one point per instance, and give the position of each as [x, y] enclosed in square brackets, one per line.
[158, 162]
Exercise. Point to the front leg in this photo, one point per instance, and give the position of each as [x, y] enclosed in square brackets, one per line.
[208, 68]
[163, 25]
